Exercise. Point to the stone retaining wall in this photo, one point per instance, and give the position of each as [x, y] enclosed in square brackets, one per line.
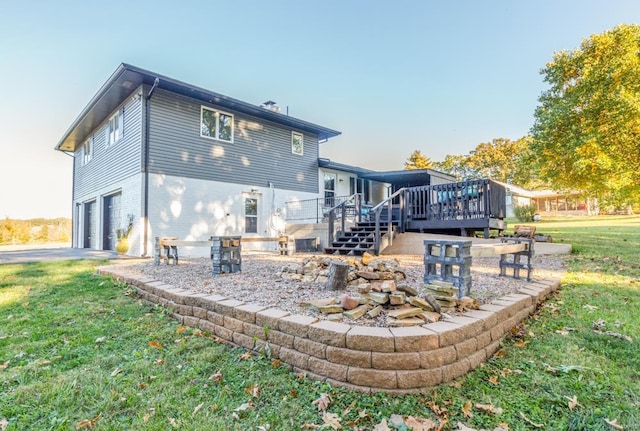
[394, 360]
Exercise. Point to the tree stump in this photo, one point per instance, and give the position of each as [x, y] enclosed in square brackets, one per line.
[338, 273]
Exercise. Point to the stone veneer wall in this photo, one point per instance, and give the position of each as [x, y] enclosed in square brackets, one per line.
[394, 360]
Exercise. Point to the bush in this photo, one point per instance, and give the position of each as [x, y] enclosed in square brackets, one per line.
[524, 213]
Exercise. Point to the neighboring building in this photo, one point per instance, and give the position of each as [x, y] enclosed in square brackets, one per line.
[187, 162]
[547, 202]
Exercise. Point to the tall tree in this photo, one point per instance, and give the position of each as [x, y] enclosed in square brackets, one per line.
[586, 134]
[417, 160]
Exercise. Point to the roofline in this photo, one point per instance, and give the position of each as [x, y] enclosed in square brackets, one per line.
[147, 77]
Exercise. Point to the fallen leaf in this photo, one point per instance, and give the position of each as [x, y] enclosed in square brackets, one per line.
[382, 426]
[323, 402]
[310, 426]
[466, 410]
[562, 331]
[573, 402]
[420, 424]
[88, 423]
[439, 411]
[489, 408]
[217, 377]
[245, 356]
[45, 362]
[254, 390]
[614, 424]
[173, 422]
[494, 380]
[4, 365]
[100, 339]
[116, 372]
[521, 343]
[155, 345]
[243, 407]
[3, 424]
[463, 427]
[499, 354]
[293, 393]
[276, 363]
[501, 427]
[197, 409]
[142, 385]
[332, 420]
[158, 361]
[527, 420]
[180, 329]
[589, 307]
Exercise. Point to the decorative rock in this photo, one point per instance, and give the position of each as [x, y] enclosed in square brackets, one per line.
[364, 288]
[317, 303]
[349, 302]
[366, 258]
[409, 290]
[330, 309]
[397, 298]
[432, 302]
[383, 286]
[375, 311]
[376, 297]
[368, 275]
[357, 312]
[430, 316]
[419, 302]
[403, 313]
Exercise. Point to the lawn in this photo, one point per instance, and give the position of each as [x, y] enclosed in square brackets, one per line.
[78, 351]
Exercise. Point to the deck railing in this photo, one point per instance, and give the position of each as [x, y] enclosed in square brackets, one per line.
[316, 210]
[473, 199]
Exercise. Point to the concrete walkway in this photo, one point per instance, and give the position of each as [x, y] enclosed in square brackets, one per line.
[413, 243]
[48, 252]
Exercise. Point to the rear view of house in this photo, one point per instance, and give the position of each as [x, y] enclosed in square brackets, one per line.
[183, 161]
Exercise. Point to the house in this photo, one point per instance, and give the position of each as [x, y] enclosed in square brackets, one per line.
[547, 202]
[184, 161]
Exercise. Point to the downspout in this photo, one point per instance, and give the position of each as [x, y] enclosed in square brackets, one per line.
[73, 206]
[145, 210]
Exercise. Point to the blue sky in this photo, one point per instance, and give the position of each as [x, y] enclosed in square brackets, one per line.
[393, 77]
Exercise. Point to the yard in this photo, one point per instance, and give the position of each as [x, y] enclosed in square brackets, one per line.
[78, 351]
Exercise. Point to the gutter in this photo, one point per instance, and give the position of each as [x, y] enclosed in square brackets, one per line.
[145, 167]
[74, 229]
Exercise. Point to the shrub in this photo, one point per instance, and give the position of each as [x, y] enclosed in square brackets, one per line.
[524, 213]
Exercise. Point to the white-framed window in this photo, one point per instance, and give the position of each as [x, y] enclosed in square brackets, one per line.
[216, 124]
[297, 143]
[115, 128]
[251, 215]
[87, 151]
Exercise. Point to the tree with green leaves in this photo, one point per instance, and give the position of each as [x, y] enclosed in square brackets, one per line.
[417, 160]
[586, 134]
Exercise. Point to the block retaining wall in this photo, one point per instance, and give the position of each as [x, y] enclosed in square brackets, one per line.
[368, 359]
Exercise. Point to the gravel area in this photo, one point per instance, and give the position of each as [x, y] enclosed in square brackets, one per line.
[259, 281]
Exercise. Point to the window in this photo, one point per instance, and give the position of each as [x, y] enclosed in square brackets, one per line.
[251, 215]
[87, 151]
[329, 189]
[215, 124]
[115, 130]
[297, 143]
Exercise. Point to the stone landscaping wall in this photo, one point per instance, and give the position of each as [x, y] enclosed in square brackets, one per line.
[394, 360]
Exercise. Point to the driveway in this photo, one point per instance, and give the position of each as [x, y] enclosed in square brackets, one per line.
[44, 253]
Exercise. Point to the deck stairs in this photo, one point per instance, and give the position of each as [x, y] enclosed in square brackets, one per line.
[359, 239]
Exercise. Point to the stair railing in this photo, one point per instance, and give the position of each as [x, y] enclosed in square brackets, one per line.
[400, 195]
[353, 202]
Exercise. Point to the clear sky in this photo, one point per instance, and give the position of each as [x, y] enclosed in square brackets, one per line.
[393, 77]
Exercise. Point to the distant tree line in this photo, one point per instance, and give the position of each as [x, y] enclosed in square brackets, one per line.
[37, 230]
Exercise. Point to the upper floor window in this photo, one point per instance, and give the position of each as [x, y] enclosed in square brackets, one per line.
[297, 143]
[115, 129]
[87, 151]
[216, 124]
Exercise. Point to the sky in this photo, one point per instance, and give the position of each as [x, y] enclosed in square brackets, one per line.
[436, 76]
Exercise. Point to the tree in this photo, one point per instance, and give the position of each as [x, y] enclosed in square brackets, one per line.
[586, 134]
[417, 160]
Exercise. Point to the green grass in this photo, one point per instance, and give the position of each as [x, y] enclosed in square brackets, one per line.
[75, 346]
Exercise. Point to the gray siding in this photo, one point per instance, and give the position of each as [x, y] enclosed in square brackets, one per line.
[110, 166]
[260, 153]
